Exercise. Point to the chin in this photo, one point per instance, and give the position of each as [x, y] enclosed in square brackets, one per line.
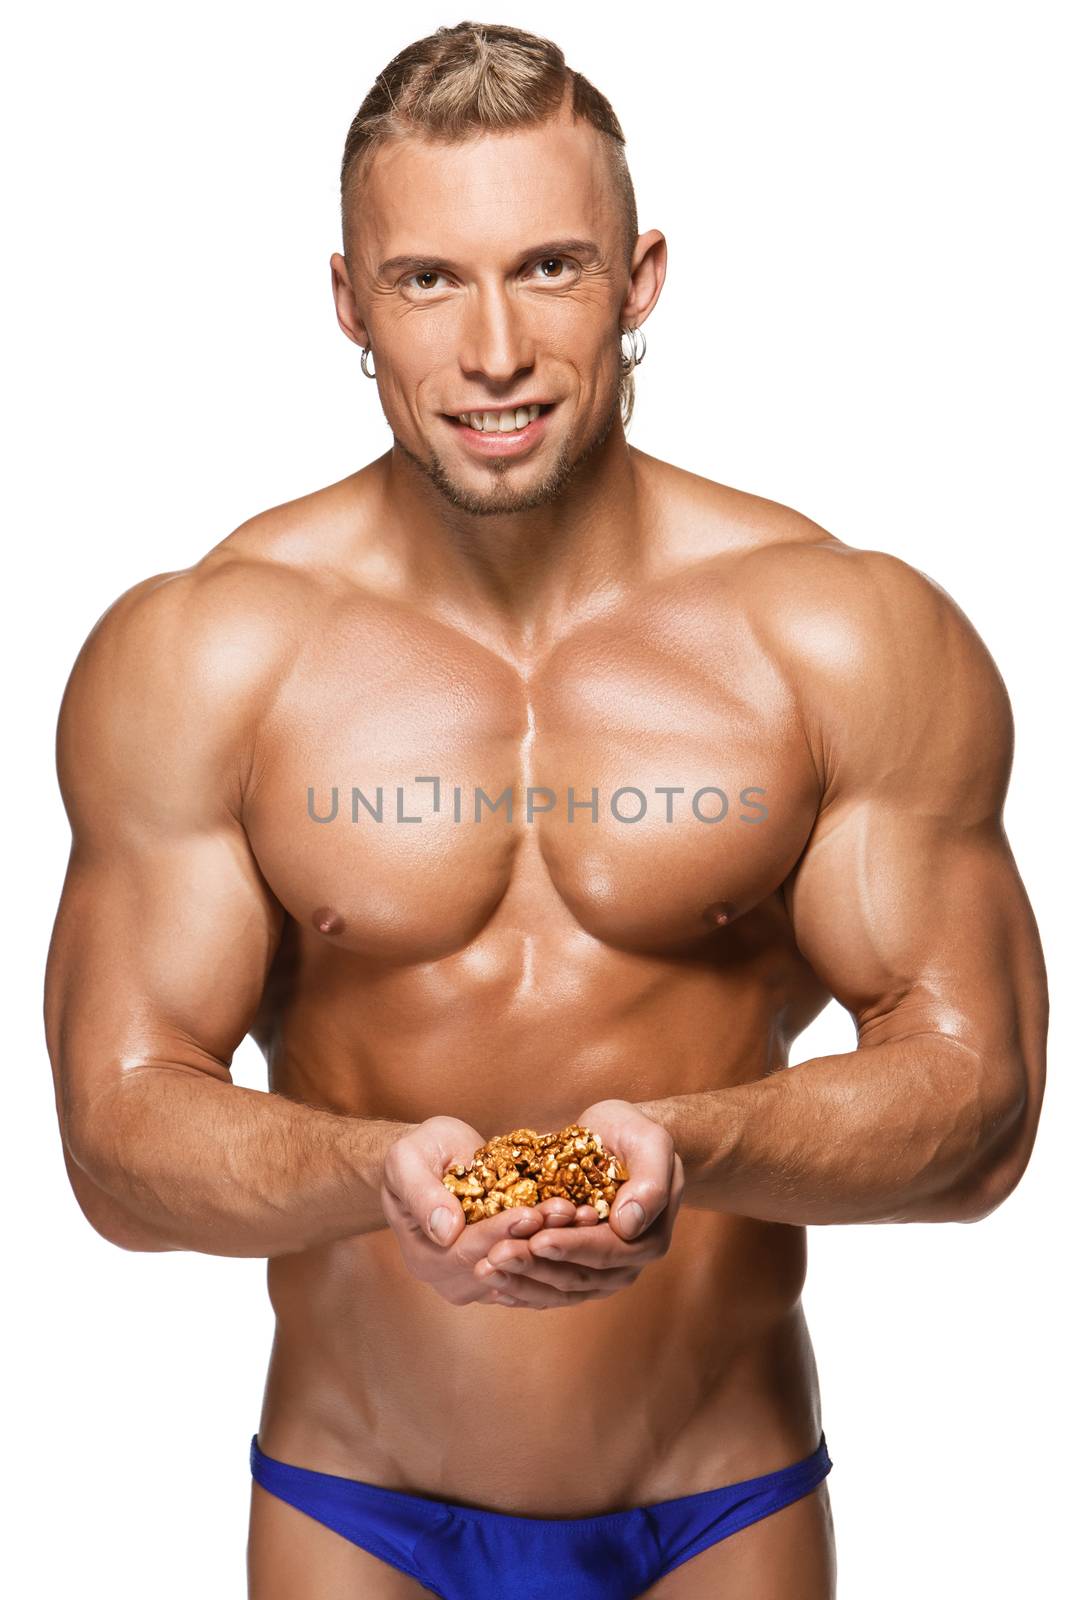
[503, 498]
[514, 486]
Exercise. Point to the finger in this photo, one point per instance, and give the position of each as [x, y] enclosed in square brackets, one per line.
[526, 1220]
[587, 1247]
[430, 1207]
[557, 1212]
[581, 1247]
[536, 1296]
[640, 1200]
[553, 1275]
[400, 1218]
[478, 1238]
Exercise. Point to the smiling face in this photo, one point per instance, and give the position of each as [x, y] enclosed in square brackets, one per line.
[489, 275]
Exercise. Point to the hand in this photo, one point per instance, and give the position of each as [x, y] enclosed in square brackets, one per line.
[413, 1198]
[594, 1259]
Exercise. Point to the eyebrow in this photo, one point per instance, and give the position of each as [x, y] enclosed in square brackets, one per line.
[586, 249]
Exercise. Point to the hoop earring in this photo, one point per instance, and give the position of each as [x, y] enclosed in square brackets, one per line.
[633, 356]
[363, 363]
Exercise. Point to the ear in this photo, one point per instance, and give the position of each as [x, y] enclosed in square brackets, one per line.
[648, 271]
[344, 299]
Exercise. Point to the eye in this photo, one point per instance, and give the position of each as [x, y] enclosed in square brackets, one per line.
[558, 263]
[427, 272]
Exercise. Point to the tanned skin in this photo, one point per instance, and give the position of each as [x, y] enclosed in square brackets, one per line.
[581, 615]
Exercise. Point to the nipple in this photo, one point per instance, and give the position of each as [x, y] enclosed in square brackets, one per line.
[719, 913]
[327, 920]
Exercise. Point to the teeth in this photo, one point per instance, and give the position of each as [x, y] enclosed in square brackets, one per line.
[500, 421]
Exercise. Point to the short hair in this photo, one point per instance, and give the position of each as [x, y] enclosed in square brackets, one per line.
[478, 77]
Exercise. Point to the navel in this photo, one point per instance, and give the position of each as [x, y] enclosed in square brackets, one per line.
[327, 920]
[719, 913]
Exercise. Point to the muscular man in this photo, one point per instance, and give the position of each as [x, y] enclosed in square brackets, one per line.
[750, 767]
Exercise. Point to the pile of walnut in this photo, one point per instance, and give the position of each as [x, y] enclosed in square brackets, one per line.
[524, 1167]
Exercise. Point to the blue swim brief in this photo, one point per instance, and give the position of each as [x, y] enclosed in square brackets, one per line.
[457, 1551]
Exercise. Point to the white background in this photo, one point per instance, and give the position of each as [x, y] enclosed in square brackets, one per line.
[859, 320]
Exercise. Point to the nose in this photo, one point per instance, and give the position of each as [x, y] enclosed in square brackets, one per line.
[496, 344]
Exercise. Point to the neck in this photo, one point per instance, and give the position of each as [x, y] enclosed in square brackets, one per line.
[519, 577]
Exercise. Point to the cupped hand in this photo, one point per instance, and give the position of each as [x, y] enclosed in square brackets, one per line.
[591, 1260]
[436, 1243]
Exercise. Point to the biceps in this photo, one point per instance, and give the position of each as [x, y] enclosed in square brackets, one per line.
[918, 925]
[160, 953]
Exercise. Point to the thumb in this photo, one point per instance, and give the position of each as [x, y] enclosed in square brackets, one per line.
[414, 1167]
[445, 1220]
[441, 1213]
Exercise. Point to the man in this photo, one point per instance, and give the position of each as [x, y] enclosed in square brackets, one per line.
[749, 768]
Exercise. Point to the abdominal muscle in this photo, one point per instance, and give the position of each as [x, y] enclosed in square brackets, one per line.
[698, 1374]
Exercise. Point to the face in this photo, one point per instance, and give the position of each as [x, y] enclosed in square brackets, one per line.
[489, 276]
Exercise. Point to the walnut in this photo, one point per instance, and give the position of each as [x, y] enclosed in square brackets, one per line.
[523, 1167]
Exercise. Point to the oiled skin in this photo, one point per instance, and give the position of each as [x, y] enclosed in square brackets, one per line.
[474, 957]
[509, 974]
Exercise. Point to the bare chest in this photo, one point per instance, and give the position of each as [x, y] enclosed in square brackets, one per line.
[646, 782]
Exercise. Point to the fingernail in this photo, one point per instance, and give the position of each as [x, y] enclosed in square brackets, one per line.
[549, 1250]
[441, 1224]
[631, 1218]
[498, 1280]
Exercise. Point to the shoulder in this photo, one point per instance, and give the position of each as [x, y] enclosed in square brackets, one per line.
[823, 604]
[205, 632]
[852, 617]
[175, 675]
[223, 626]
[889, 677]
[895, 684]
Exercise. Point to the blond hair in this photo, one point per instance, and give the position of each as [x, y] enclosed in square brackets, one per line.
[475, 77]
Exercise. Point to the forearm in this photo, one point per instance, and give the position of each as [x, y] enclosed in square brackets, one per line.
[211, 1166]
[903, 1131]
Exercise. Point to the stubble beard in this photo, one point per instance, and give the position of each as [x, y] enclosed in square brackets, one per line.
[503, 498]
